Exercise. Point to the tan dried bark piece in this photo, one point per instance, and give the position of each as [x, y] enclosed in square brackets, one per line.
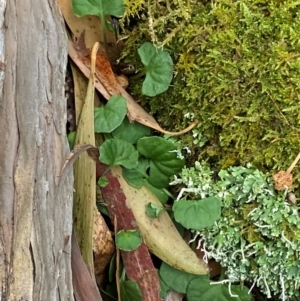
[122, 81]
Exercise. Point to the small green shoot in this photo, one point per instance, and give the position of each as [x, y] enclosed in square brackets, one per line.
[112, 268]
[153, 210]
[128, 240]
[158, 69]
[198, 214]
[71, 139]
[102, 208]
[102, 182]
[118, 152]
[130, 291]
[109, 117]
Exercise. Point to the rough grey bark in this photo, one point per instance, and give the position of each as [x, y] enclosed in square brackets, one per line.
[35, 216]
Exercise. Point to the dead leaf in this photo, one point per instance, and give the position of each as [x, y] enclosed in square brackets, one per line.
[122, 81]
[160, 234]
[80, 47]
[85, 70]
[103, 69]
[117, 262]
[84, 285]
[90, 24]
[138, 114]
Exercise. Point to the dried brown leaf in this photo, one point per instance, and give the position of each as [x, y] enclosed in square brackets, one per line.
[84, 285]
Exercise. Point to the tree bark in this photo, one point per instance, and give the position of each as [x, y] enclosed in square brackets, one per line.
[35, 214]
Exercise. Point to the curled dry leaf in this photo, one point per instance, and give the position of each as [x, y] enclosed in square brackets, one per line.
[69, 161]
[138, 114]
[84, 285]
[103, 69]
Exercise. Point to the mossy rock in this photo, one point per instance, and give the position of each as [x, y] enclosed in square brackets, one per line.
[237, 66]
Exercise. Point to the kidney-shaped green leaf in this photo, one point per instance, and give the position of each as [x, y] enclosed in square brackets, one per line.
[146, 52]
[128, 240]
[136, 176]
[163, 159]
[199, 289]
[158, 68]
[131, 131]
[118, 152]
[109, 117]
[199, 214]
[98, 7]
[176, 279]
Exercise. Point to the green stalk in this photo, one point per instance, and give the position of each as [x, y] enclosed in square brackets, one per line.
[138, 75]
[103, 31]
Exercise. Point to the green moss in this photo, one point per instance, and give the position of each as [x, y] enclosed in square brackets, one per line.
[237, 70]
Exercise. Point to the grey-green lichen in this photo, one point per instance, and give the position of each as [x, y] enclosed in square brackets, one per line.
[237, 70]
[257, 238]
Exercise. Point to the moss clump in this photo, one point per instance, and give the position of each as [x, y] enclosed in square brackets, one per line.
[237, 70]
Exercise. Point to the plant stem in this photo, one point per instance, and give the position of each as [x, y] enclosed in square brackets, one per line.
[289, 170]
[138, 75]
[103, 30]
[222, 275]
[105, 171]
[168, 193]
